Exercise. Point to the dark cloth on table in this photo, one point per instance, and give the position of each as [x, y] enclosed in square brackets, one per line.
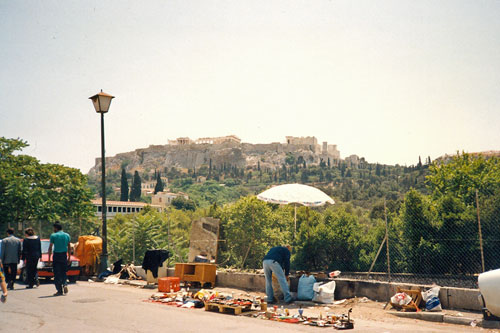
[154, 259]
[32, 248]
[117, 266]
[281, 255]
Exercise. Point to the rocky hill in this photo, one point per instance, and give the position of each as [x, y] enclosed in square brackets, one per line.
[229, 154]
[186, 154]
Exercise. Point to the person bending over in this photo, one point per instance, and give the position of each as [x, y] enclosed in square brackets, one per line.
[277, 262]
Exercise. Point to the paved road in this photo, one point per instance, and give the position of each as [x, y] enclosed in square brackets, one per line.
[95, 307]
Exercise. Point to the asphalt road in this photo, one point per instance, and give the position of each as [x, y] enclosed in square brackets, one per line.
[95, 307]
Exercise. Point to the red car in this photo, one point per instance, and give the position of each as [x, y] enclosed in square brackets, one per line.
[44, 268]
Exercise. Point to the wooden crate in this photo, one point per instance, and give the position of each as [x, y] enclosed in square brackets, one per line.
[223, 308]
[167, 284]
[416, 298]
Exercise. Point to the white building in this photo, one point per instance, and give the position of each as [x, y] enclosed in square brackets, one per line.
[121, 207]
[165, 198]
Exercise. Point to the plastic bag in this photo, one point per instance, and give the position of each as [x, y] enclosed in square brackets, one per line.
[431, 298]
[305, 290]
[324, 293]
[401, 299]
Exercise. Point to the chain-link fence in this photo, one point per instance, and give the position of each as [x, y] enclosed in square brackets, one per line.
[445, 240]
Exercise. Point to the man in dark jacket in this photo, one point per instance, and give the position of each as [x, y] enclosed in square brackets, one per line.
[32, 251]
[277, 262]
[11, 254]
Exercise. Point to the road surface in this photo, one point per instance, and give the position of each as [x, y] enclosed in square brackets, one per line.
[95, 307]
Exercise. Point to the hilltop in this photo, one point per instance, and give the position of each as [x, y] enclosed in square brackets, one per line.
[220, 152]
[223, 169]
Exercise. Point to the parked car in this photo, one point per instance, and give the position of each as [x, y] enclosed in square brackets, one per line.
[44, 268]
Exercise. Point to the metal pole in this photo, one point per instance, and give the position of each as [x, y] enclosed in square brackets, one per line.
[480, 233]
[387, 242]
[133, 240]
[295, 219]
[104, 255]
[376, 256]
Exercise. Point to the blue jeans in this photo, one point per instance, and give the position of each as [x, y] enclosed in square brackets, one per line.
[273, 267]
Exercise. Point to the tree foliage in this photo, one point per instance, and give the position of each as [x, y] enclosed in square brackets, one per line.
[159, 183]
[135, 189]
[36, 194]
[124, 186]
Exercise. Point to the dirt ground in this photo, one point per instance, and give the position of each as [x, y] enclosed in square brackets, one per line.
[362, 309]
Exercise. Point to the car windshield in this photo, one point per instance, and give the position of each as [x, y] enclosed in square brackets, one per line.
[45, 246]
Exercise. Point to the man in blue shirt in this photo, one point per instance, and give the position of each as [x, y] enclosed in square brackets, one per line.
[59, 241]
[275, 262]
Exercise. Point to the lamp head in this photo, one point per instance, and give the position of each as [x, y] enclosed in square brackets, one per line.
[101, 101]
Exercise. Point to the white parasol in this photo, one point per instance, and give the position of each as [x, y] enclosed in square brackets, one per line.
[295, 194]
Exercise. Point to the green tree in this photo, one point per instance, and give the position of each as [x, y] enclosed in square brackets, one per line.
[124, 186]
[184, 204]
[304, 176]
[334, 239]
[149, 229]
[135, 189]
[35, 194]
[416, 233]
[290, 159]
[251, 228]
[456, 237]
[462, 175]
[159, 184]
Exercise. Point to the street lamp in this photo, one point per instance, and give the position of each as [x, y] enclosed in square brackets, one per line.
[101, 102]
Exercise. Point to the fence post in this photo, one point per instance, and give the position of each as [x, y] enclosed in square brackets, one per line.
[387, 242]
[480, 233]
[133, 240]
[376, 256]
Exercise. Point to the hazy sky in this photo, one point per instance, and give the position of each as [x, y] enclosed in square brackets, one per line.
[387, 80]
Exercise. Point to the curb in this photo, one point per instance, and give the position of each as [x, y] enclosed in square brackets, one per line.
[440, 317]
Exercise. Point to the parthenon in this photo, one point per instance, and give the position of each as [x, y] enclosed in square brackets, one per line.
[207, 140]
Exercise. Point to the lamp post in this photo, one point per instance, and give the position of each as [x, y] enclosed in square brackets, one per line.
[101, 102]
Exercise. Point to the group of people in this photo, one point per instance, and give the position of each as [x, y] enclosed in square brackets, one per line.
[12, 250]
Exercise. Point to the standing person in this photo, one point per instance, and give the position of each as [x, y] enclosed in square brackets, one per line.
[59, 241]
[32, 251]
[3, 285]
[11, 254]
[275, 262]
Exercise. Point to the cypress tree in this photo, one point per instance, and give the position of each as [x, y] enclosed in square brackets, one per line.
[210, 170]
[135, 189]
[159, 184]
[124, 186]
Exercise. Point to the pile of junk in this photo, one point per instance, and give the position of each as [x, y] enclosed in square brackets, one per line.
[428, 300]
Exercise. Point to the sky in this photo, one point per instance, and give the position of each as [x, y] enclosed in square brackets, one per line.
[386, 80]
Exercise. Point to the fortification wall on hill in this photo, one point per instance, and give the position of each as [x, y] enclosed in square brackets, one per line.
[189, 156]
